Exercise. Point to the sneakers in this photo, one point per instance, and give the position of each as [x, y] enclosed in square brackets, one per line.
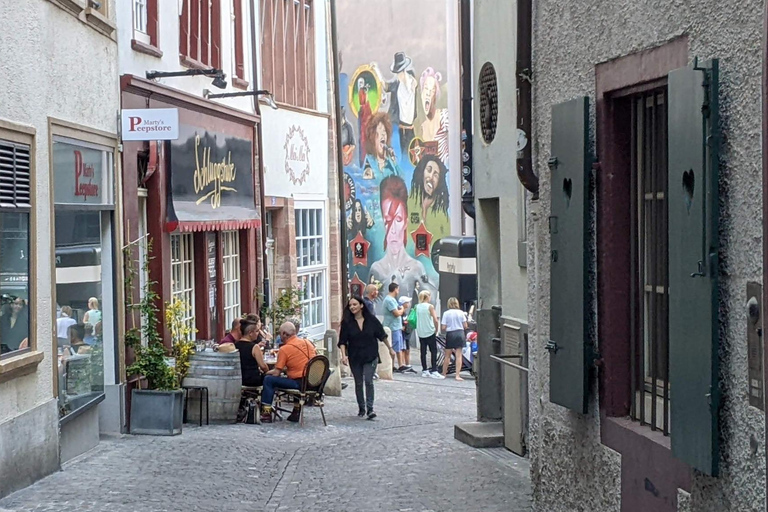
[409, 369]
[371, 415]
[361, 413]
[425, 373]
[400, 370]
[375, 376]
[436, 375]
[266, 414]
[295, 416]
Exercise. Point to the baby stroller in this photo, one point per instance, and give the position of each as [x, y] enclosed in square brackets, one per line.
[466, 363]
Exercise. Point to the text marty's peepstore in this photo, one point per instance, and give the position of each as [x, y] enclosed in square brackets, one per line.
[197, 199]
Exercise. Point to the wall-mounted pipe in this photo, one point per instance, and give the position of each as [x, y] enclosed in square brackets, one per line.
[524, 85]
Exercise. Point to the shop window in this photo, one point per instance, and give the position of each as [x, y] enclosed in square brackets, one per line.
[83, 228]
[14, 247]
[650, 297]
[288, 50]
[310, 262]
[231, 263]
[200, 33]
[183, 275]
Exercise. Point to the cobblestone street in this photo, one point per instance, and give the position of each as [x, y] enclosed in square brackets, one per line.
[406, 460]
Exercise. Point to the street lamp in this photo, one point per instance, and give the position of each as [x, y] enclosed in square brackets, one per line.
[269, 98]
[217, 74]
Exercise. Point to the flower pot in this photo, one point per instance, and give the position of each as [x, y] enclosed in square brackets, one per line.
[156, 413]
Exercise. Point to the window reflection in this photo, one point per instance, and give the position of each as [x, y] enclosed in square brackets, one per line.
[14, 281]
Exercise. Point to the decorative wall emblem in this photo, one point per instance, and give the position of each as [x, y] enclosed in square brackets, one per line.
[359, 246]
[296, 155]
[422, 240]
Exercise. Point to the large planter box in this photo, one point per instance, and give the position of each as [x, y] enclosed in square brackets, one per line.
[156, 413]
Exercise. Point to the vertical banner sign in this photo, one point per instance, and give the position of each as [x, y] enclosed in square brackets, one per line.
[210, 245]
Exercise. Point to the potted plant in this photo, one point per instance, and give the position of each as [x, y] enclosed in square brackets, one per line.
[158, 408]
[286, 306]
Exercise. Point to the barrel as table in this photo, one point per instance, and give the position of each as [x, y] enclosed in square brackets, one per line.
[221, 374]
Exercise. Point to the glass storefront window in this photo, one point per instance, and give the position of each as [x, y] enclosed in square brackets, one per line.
[14, 281]
[84, 270]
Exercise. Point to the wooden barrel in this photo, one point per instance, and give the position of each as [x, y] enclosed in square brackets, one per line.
[220, 373]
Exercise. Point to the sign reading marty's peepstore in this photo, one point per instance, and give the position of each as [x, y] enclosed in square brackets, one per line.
[211, 182]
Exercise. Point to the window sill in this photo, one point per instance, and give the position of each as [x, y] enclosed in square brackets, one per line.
[634, 429]
[148, 49]
[189, 62]
[20, 365]
[99, 21]
[91, 17]
[239, 83]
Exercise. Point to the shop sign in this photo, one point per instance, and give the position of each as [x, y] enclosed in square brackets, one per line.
[211, 177]
[79, 175]
[150, 124]
[296, 155]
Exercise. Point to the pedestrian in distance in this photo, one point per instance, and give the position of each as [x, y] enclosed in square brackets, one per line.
[359, 340]
[393, 318]
[427, 325]
[454, 324]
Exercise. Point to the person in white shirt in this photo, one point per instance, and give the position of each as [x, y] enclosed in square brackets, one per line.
[63, 323]
[454, 323]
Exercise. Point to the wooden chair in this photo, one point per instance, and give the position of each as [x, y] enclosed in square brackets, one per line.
[316, 375]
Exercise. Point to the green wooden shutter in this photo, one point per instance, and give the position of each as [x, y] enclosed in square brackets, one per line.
[570, 164]
[693, 265]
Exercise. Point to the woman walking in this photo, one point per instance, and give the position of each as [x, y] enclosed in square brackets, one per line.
[359, 344]
[426, 329]
[454, 323]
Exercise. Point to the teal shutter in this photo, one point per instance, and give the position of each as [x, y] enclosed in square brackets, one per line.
[693, 265]
[570, 164]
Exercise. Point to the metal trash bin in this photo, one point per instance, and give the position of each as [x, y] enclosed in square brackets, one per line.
[457, 266]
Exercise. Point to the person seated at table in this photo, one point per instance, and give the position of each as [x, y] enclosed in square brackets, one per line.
[293, 357]
[252, 362]
[76, 340]
[236, 333]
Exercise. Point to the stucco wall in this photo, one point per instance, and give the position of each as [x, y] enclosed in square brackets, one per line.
[494, 164]
[57, 66]
[571, 470]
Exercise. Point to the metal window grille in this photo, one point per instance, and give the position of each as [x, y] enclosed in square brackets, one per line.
[140, 16]
[231, 263]
[183, 275]
[310, 256]
[650, 288]
[14, 175]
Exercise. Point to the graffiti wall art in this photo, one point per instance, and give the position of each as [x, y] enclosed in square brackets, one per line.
[394, 141]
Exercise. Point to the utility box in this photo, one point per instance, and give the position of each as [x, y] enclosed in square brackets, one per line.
[514, 338]
[457, 266]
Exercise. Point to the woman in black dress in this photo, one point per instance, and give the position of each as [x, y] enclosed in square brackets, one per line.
[359, 344]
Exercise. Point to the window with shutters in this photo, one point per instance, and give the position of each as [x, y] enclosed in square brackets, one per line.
[238, 25]
[200, 33]
[145, 27]
[288, 50]
[14, 247]
[650, 296]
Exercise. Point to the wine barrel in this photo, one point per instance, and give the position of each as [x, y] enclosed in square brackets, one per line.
[220, 373]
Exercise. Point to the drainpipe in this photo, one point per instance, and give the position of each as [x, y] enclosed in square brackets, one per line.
[465, 32]
[524, 111]
[339, 156]
[262, 200]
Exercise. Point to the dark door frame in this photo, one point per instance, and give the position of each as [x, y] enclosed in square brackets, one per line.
[765, 191]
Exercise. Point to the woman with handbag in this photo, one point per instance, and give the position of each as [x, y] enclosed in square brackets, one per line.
[427, 324]
[359, 343]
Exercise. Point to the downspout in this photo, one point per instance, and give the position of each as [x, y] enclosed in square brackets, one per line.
[339, 156]
[262, 200]
[524, 85]
[465, 32]
[765, 188]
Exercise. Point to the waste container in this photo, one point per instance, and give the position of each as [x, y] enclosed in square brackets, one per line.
[457, 267]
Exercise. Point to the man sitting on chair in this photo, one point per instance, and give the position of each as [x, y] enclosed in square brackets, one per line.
[292, 358]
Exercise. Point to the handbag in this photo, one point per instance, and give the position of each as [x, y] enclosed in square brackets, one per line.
[252, 415]
[412, 319]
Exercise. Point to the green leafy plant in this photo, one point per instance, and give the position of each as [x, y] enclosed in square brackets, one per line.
[150, 359]
[181, 332]
[286, 305]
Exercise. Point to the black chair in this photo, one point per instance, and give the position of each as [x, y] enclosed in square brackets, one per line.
[312, 387]
[202, 390]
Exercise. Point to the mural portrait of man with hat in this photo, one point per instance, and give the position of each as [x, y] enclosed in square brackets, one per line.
[402, 94]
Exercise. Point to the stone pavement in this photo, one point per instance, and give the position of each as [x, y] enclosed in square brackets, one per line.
[404, 461]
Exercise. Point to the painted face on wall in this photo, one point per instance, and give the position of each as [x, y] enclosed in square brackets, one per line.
[428, 94]
[431, 177]
[358, 212]
[395, 220]
[381, 140]
[360, 83]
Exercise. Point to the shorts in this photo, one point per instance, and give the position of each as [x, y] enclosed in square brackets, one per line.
[454, 339]
[398, 341]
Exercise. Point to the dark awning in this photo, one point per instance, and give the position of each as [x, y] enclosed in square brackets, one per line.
[211, 183]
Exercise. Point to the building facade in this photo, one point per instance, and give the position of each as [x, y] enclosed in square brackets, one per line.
[60, 234]
[300, 162]
[401, 140]
[196, 199]
[645, 244]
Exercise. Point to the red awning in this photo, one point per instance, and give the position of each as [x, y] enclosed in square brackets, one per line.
[216, 225]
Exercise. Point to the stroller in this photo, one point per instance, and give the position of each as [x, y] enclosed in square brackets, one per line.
[466, 362]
